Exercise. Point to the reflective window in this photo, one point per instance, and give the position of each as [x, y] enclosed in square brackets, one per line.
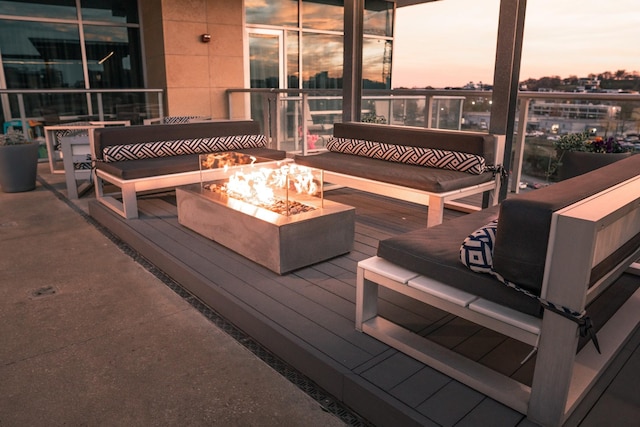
[122, 11]
[378, 18]
[322, 57]
[264, 67]
[376, 64]
[293, 67]
[41, 55]
[322, 15]
[113, 57]
[281, 12]
[61, 9]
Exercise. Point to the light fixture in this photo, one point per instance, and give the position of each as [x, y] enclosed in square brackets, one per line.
[106, 57]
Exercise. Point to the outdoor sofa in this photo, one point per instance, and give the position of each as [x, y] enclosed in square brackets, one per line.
[425, 166]
[154, 157]
[539, 274]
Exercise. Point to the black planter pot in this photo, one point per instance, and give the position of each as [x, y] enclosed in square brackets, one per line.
[576, 163]
[18, 167]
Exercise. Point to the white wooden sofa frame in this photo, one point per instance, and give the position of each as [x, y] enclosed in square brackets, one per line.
[128, 189]
[124, 201]
[436, 201]
[582, 234]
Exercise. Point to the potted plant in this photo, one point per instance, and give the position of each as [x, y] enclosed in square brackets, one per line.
[579, 153]
[18, 162]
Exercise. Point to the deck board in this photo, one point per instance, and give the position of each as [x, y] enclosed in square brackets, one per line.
[307, 317]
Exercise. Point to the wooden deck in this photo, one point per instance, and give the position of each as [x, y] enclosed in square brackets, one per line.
[307, 319]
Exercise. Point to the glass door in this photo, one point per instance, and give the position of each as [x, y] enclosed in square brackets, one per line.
[266, 71]
[266, 59]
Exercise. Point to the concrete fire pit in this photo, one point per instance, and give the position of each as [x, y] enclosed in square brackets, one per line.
[278, 242]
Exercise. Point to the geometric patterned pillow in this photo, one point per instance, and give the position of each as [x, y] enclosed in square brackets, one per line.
[59, 134]
[146, 150]
[476, 251]
[174, 120]
[442, 159]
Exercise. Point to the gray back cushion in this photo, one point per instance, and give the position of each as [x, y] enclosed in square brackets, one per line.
[525, 220]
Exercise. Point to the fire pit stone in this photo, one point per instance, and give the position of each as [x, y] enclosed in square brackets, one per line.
[298, 232]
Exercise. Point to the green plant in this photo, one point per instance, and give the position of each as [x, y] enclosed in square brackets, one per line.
[372, 118]
[13, 137]
[582, 142]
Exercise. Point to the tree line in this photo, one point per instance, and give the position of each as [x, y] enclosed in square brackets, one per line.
[621, 80]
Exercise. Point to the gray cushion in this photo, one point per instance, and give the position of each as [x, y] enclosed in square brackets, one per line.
[525, 220]
[435, 252]
[168, 165]
[412, 176]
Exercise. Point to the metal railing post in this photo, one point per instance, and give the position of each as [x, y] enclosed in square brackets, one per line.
[275, 119]
[23, 114]
[428, 109]
[100, 106]
[519, 145]
[305, 125]
[160, 105]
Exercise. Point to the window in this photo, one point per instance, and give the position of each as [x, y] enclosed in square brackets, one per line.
[40, 55]
[113, 57]
[121, 11]
[281, 12]
[319, 40]
[322, 61]
[59, 9]
[376, 64]
[378, 18]
[322, 15]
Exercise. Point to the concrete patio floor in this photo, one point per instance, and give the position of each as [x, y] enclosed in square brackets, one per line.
[91, 337]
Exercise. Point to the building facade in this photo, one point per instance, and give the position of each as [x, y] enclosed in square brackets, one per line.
[191, 49]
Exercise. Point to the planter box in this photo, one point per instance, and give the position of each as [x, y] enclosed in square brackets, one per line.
[576, 163]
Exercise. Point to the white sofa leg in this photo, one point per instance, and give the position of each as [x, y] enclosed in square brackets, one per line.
[129, 202]
[435, 214]
[553, 371]
[366, 299]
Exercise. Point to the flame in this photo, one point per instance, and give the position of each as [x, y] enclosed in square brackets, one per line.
[225, 160]
[259, 185]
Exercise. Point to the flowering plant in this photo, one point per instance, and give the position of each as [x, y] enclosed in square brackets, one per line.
[582, 142]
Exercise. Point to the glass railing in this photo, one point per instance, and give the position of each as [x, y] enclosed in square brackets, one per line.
[30, 109]
[543, 117]
[301, 121]
[287, 115]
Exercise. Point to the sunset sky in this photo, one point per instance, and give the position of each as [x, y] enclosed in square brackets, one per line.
[453, 42]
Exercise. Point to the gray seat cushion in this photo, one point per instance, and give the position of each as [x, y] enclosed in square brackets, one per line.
[411, 176]
[143, 168]
[435, 252]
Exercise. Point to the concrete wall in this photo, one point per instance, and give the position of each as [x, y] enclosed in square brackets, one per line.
[193, 74]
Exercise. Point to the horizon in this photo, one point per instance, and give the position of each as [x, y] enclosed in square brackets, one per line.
[554, 44]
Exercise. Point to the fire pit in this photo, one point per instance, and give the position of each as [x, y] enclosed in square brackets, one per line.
[274, 215]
